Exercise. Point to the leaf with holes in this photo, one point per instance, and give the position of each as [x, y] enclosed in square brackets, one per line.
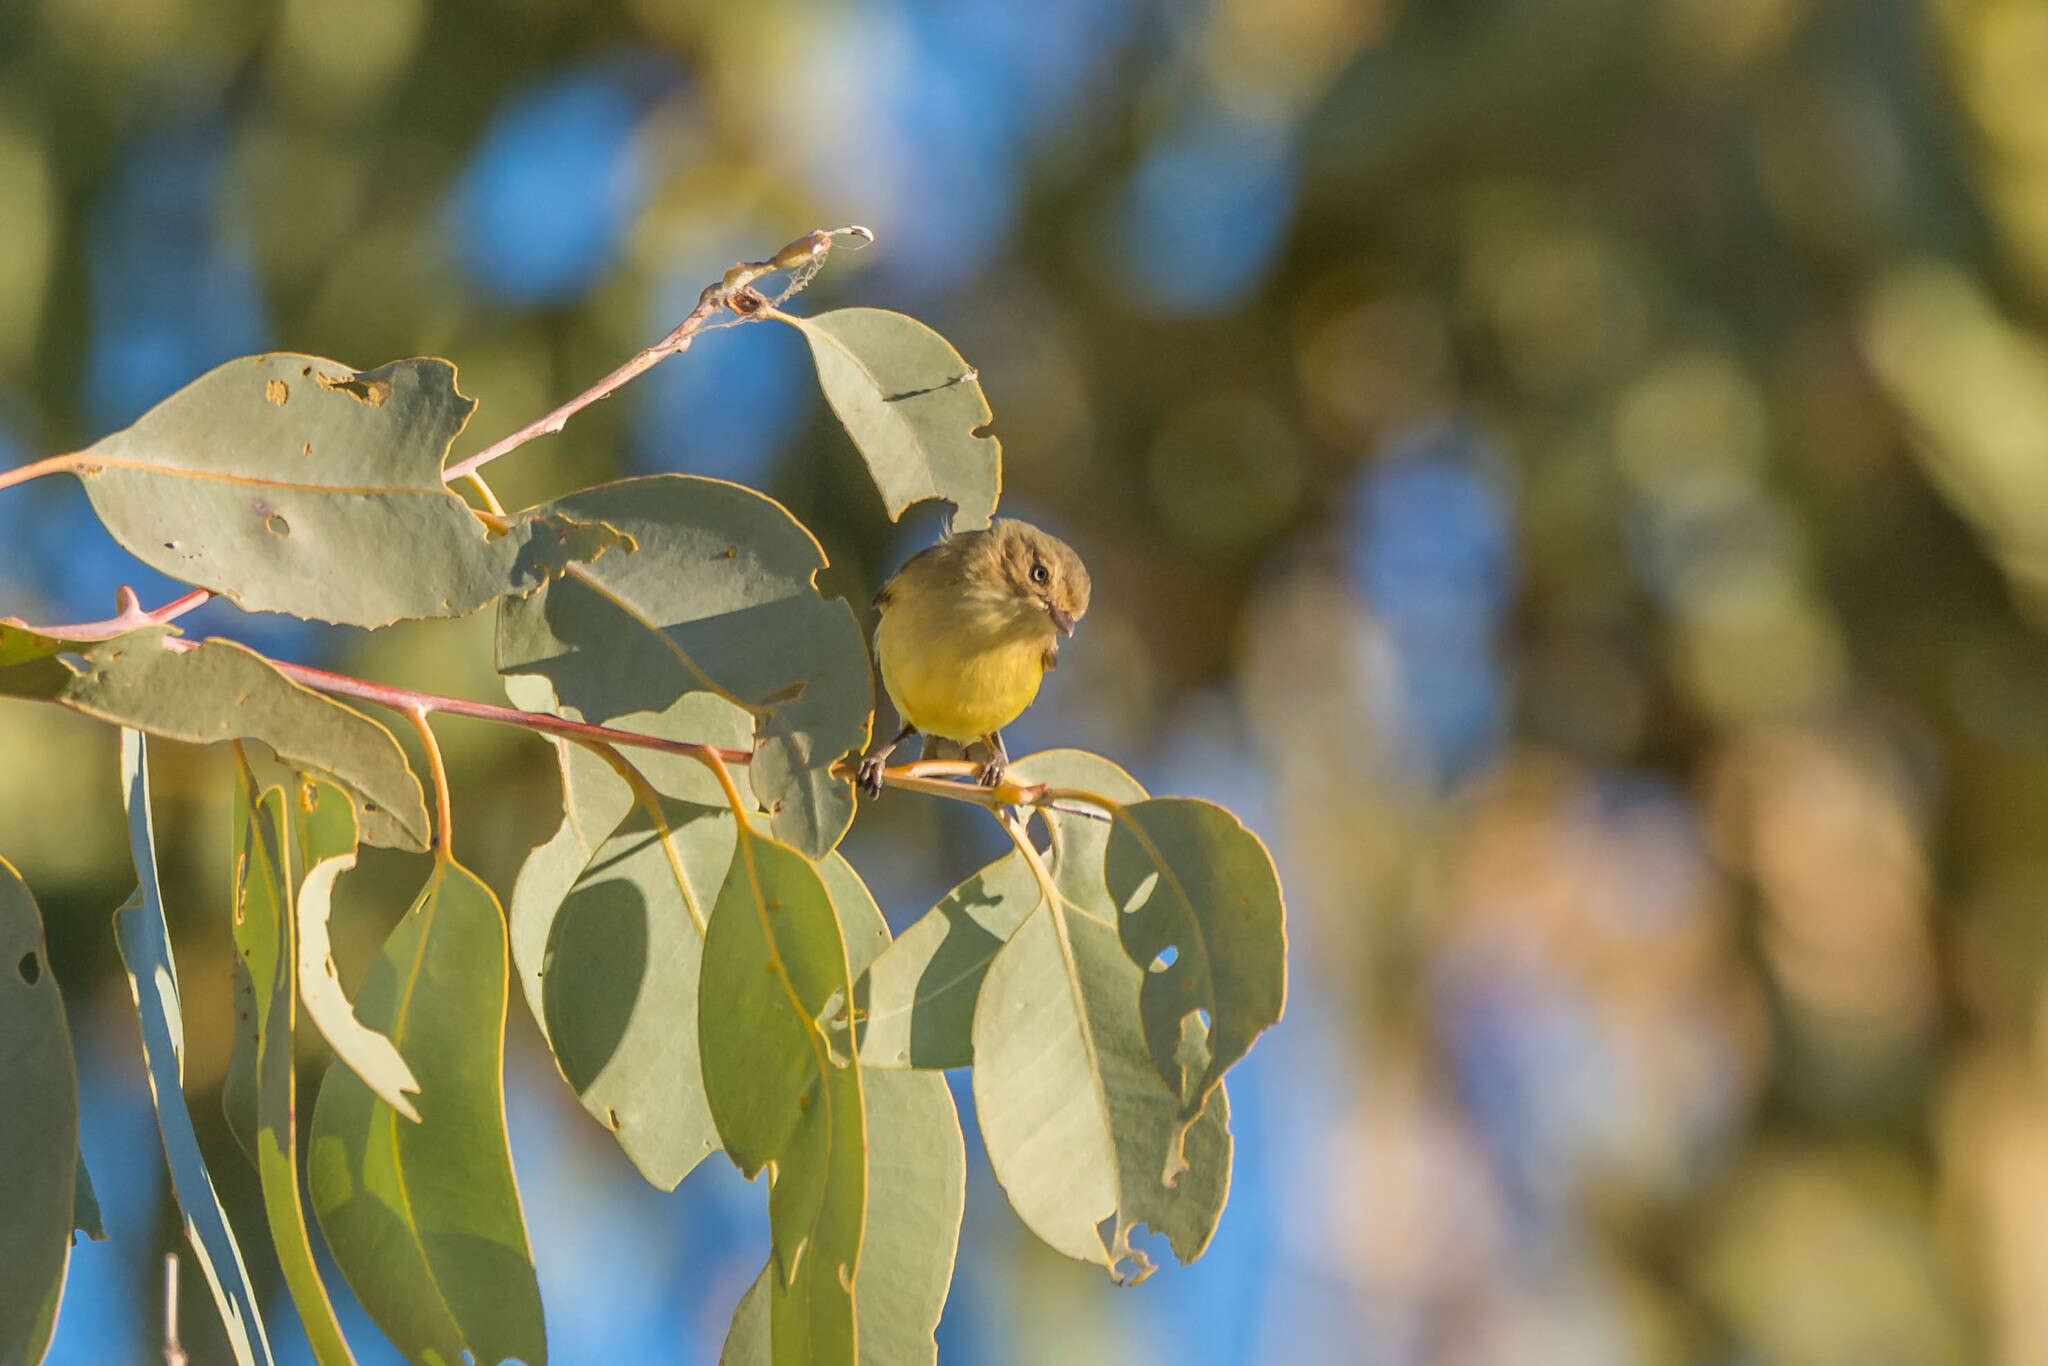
[918, 999]
[1078, 1128]
[784, 1088]
[223, 691]
[607, 921]
[324, 830]
[1200, 910]
[358, 1046]
[285, 483]
[265, 952]
[145, 943]
[913, 407]
[717, 611]
[39, 1163]
[424, 1219]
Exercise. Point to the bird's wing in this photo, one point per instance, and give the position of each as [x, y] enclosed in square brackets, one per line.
[885, 595]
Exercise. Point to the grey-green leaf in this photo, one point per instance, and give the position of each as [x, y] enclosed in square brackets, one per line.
[784, 1087]
[284, 483]
[85, 1206]
[918, 997]
[265, 948]
[1200, 910]
[717, 605]
[357, 1045]
[145, 943]
[223, 691]
[607, 933]
[424, 1219]
[912, 406]
[916, 1184]
[916, 1191]
[39, 1136]
[1078, 1127]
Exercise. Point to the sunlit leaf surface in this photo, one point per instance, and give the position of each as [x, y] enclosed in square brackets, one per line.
[717, 603]
[424, 1218]
[913, 407]
[284, 483]
[265, 934]
[145, 943]
[224, 691]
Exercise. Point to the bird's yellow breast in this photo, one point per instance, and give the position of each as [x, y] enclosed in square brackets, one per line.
[956, 670]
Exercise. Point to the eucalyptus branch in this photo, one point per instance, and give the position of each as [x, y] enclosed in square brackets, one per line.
[734, 293]
[409, 700]
[130, 617]
[953, 779]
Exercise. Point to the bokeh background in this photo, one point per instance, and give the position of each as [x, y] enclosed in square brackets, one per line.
[1572, 473]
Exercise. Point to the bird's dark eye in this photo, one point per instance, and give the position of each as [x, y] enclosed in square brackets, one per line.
[1040, 574]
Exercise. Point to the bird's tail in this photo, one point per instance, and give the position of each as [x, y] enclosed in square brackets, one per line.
[937, 748]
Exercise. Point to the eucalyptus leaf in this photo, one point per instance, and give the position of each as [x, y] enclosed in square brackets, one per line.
[219, 690]
[913, 407]
[917, 1000]
[916, 1193]
[85, 1206]
[20, 645]
[916, 1170]
[265, 933]
[145, 943]
[716, 610]
[1200, 910]
[916, 1190]
[424, 1219]
[238, 1087]
[358, 1046]
[607, 934]
[784, 1086]
[39, 1137]
[286, 482]
[1078, 1127]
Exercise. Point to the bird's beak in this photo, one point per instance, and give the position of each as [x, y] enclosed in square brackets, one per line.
[1063, 620]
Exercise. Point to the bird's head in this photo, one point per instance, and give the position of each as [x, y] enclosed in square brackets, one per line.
[1041, 572]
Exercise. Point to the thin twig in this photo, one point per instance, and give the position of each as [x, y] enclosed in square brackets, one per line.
[130, 617]
[943, 778]
[406, 700]
[734, 292]
[174, 1351]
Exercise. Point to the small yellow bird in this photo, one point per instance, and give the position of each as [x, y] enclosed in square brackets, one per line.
[968, 629]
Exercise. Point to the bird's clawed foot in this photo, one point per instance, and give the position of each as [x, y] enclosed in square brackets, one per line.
[868, 777]
[991, 774]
